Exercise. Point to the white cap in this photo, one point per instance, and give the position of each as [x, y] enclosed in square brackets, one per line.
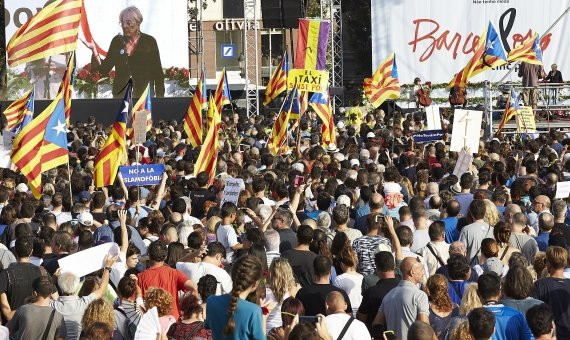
[354, 162]
[364, 154]
[22, 187]
[370, 135]
[85, 218]
[339, 157]
[343, 199]
[340, 125]
[299, 167]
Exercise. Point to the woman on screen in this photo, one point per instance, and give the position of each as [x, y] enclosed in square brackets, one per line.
[132, 53]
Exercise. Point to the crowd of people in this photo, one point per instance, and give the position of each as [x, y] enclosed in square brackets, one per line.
[373, 236]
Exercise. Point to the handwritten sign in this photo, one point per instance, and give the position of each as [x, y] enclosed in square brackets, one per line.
[149, 174]
[562, 189]
[428, 136]
[433, 118]
[232, 189]
[466, 130]
[525, 119]
[139, 126]
[308, 80]
[463, 162]
[89, 260]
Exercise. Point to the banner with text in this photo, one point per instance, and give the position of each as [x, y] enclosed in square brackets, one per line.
[428, 136]
[434, 45]
[308, 80]
[150, 174]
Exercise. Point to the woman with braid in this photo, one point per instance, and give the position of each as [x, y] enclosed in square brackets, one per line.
[231, 316]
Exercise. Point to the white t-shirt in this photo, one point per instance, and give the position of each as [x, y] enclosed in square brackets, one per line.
[118, 269]
[336, 322]
[274, 318]
[351, 283]
[228, 238]
[195, 271]
[421, 238]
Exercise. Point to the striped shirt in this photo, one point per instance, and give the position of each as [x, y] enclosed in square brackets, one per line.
[366, 247]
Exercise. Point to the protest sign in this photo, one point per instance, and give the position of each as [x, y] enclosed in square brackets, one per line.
[463, 162]
[232, 189]
[308, 80]
[139, 127]
[89, 260]
[525, 119]
[433, 118]
[428, 136]
[466, 130]
[562, 189]
[147, 174]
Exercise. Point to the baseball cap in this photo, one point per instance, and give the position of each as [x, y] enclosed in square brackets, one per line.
[493, 264]
[370, 135]
[22, 187]
[343, 199]
[354, 162]
[84, 196]
[85, 218]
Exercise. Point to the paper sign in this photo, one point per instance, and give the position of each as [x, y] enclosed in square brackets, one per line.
[89, 260]
[463, 162]
[232, 189]
[428, 136]
[139, 126]
[525, 119]
[8, 139]
[466, 130]
[148, 174]
[562, 189]
[308, 80]
[433, 118]
[5, 160]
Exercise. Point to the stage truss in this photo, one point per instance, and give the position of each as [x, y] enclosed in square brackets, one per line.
[251, 57]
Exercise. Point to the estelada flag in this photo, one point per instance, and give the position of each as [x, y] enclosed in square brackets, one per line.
[312, 43]
[529, 51]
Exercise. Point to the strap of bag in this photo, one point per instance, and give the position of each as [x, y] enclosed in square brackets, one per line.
[50, 321]
[478, 250]
[504, 253]
[435, 254]
[345, 329]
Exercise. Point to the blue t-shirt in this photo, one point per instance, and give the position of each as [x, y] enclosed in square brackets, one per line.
[456, 289]
[451, 232]
[247, 317]
[542, 240]
[509, 323]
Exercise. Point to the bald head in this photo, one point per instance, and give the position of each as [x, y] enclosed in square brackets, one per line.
[432, 188]
[335, 302]
[510, 211]
[376, 202]
[541, 203]
[412, 268]
[457, 247]
[545, 221]
[175, 217]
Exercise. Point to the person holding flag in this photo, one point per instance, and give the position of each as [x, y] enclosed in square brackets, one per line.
[278, 140]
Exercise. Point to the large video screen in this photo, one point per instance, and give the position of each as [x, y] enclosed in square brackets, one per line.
[143, 39]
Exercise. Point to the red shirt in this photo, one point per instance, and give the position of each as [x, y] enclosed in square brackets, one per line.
[171, 280]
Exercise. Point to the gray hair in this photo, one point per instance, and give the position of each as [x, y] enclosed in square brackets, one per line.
[272, 240]
[131, 12]
[457, 247]
[264, 211]
[286, 215]
[432, 188]
[222, 166]
[324, 220]
[559, 209]
[184, 229]
[68, 283]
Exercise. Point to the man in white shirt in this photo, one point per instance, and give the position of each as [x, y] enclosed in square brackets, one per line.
[211, 264]
[436, 252]
[338, 321]
[421, 235]
[226, 234]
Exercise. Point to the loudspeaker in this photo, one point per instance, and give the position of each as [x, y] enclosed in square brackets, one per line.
[271, 14]
[281, 13]
[292, 11]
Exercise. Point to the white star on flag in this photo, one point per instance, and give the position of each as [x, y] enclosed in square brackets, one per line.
[490, 45]
[125, 106]
[60, 127]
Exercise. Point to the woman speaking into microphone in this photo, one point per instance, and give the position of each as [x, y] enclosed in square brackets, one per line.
[132, 54]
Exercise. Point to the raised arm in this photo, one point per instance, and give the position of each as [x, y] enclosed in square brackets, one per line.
[395, 241]
[109, 261]
[124, 235]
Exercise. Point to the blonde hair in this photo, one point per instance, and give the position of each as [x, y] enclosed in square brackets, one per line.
[280, 278]
[470, 300]
[131, 12]
[491, 213]
[159, 298]
[461, 332]
[98, 311]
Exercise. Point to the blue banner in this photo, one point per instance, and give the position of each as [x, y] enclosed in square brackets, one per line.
[428, 136]
[147, 174]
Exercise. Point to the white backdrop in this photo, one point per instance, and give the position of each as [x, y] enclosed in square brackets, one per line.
[433, 39]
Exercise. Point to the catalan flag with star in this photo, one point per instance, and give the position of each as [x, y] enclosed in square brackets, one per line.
[384, 83]
[321, 103]
[278, 82]
[511, 110]
[278, 141]
[529, 51]
[114, 151]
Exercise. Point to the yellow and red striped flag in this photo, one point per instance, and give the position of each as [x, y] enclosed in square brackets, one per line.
[193, 118]
[67, 85]
[384, 83]
[208, 157]
[222, 95]
[278, 82]
[42, 144]
[18, 110]
[321, 103]
[511, 110]
[53, 30]
[529, 51]
[114, 151]
[144, 103]
[279, 133]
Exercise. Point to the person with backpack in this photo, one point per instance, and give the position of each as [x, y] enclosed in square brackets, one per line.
[129, 311]
[191, 325]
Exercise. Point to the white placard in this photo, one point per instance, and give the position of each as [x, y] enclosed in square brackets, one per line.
[463, 162]
[466, 130]
[562, 189]
[433, 118]
[89, 260]
[232, 189]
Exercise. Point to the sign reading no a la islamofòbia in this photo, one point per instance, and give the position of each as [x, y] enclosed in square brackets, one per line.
[308, 80]
[140, 175]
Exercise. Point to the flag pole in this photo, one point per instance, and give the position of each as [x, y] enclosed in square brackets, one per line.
[545, 33]
[69, 178]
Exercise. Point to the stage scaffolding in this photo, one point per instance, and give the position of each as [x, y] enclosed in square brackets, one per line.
[251, 57]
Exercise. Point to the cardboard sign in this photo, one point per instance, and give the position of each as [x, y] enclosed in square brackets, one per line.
[433, 118]
[149, 174]
[232, 189]
[466, 130]
[463, 162]
[139, 127]
[562, 189]
[428, 136]
[308, 80]
[525, 119]
[89, 260]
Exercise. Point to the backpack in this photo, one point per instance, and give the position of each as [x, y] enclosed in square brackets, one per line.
[131, 327]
